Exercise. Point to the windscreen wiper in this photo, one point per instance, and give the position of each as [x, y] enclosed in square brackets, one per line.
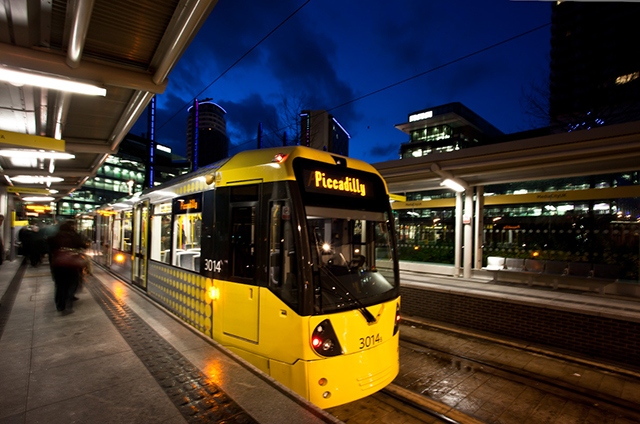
[363, 310]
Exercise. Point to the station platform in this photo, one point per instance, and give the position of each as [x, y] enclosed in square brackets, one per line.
[119, 358]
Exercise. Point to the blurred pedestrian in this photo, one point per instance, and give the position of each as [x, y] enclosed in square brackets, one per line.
[67, 264]
[36, 246]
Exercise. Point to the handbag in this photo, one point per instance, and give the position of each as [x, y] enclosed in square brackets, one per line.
[69, 258]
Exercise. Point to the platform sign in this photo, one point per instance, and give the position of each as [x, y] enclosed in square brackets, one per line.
[27, 190]
[31, 141]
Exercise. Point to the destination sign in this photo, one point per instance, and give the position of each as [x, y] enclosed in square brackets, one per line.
[188, 204]
[337, 182]
[347, 184]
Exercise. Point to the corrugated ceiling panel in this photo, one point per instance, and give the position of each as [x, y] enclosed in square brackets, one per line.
[121, 31]
[127, 32]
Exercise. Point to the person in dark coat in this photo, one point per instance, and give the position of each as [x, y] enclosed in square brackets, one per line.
[36, 248]
[66, 278]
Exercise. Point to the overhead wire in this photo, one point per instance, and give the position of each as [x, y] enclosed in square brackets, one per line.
[451, 62]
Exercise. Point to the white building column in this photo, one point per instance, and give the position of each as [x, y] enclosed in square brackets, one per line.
[458, 236]
[478, 243]
[468, 233]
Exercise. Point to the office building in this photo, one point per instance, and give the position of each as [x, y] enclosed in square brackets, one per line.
[594, 68]
[322, 131]
[122, 174]
[444, 128]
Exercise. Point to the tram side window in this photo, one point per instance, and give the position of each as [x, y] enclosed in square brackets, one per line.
[161, 238]
[243, 231]
[282, 264]
[117, 233]
[126, 232]
[187, 230]
[383, 247]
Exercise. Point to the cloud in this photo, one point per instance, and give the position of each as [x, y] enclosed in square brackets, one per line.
[243, 118]
[383, 152]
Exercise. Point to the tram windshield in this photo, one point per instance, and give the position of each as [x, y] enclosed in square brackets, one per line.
[347, 246]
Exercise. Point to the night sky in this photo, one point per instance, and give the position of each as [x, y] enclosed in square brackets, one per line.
[368, 63]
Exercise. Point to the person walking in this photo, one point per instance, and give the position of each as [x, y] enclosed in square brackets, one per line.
[36, 248]
[66, 264]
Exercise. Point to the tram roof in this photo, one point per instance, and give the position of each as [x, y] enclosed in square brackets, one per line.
[249, 165]
[127, 47]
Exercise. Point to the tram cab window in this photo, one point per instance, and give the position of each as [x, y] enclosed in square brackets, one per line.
[282, 255]
[161, 233]
[345, 247]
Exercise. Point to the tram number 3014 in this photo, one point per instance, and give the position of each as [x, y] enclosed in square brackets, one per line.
[211, 265]
[370, 341]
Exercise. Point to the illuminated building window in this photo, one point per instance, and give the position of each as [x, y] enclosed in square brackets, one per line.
[623, 79]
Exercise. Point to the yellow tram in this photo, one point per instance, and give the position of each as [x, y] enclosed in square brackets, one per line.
[285, 256]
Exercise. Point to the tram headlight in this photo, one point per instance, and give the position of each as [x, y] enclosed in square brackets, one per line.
[324, 340]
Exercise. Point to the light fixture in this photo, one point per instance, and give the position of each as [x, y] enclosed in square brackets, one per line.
[452, 184]
[448, 180]
[20, 77]
[39, 199]
[39, 154]
[36, 179]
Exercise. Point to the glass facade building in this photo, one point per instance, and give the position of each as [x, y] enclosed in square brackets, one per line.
[122, 174]
[443, 129]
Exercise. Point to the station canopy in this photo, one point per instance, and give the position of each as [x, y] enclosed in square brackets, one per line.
[53, 136]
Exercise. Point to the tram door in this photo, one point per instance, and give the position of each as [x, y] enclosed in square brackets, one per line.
[140, 243]
[109, 250]
[242, 301]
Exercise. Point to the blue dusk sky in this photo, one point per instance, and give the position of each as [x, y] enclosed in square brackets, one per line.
[369, 63]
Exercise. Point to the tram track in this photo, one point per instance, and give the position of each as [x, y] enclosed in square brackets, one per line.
[615, 405]
[395, 404]
[503, 377]
[408, 401]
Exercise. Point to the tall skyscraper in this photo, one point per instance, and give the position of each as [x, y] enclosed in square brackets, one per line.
[322, 131]
[595, 67]
[207, 139]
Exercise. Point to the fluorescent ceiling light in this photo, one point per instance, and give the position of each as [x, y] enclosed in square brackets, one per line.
[453, 185]
[24, 77]
[39, 199]
[39, 154]
[36, 179]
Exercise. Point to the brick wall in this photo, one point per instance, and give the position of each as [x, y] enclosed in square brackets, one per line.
[593, 336]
